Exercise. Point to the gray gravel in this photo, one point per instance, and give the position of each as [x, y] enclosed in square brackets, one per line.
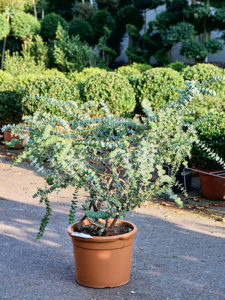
[181, 257]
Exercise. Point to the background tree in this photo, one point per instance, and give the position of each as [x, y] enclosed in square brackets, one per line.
[50, 24]
[70, 53]
[102, 19]
[84, 11]
[109, 5]
[107, 52]
[63, 8]
[83, 29]
[23, 26]
[4, 31]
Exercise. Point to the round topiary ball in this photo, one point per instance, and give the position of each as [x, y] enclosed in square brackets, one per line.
[82, 28]
[141, 67]
[49, 25]
[203, 72]
[52, 72]
[80, 77]
[159, 86]
[26, 79]
[114, 89]
[56, 87]
[127, 71]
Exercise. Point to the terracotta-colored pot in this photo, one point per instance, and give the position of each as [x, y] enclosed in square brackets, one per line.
[194, 173]
[212, 187]
[8, 137]
[105, 261]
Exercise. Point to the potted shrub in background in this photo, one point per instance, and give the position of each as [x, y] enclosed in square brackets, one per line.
[116, 170]
[11, 111]
[211, 133]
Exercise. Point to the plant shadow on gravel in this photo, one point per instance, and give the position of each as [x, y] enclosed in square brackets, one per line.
[169, 261]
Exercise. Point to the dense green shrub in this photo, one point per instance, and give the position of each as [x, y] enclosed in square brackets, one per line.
[102, 19]
[177, 66]
[127, 71]
[159, 86]
[82, 28]
[52, 72]
[113, 89]
[55, 87]
[50, 24]
[11, 95]
[24, 25]
[134, 69]
[26, 79]
[4, 26]
[5, 76]
[70, 54]
[194, 49]
[202, 72]
[208, 105]
[211, 132]
[141, 67]
[22, 64]
[85, 74]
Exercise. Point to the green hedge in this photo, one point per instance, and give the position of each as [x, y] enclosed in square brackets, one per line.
[202, 72]
[114, 89]
[11, 95]
[56, 87]
[159, 86]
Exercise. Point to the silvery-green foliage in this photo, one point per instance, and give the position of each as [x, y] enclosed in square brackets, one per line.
[111, 157]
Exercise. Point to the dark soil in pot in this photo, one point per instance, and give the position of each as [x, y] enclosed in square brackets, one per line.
[116, 230]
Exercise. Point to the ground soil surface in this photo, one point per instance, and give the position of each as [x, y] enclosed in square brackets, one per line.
[177, 253]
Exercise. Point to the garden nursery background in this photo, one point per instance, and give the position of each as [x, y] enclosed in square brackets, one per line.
[74, 51]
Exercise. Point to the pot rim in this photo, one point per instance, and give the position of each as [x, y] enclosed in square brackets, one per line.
[209, 171]
[105, 239]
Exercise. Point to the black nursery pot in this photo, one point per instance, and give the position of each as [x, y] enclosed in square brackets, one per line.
[180, 178]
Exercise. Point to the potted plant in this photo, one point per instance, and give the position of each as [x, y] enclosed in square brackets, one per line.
[11, 95]
[115, 169]
[211, 132]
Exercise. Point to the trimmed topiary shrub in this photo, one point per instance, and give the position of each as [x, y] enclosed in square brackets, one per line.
[26, 79]
[55, 87]
[207, 106]
[24, 25]
[85, 74]
[114, 89]
[11, 95]
[127, 71]
[159, 86]
[50, 24]
[202, 72]
[177, 66]
[4, 26]
[141, 67]
[52, 72]
[82, 28]
[5, 76]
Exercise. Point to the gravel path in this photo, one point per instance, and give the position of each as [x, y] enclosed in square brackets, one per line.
[182, 257]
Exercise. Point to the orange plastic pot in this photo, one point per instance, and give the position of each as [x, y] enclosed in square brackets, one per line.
[212, 187]
[102, 262]
[8, 137]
